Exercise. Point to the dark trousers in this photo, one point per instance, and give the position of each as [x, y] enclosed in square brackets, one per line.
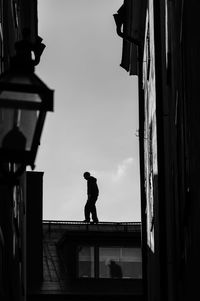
[90, 208]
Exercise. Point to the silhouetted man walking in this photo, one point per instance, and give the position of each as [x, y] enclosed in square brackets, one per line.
[92, 192]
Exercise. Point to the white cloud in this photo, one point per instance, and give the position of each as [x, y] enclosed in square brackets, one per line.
[117, 173]
[122, 169]
[119, 198]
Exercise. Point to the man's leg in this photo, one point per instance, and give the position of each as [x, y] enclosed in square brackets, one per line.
[94, 210]
[94, 214]
[87, 212]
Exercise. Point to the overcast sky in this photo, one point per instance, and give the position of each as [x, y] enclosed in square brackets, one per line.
[94, 124]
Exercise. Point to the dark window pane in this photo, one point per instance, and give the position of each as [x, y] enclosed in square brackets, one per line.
[117, 262]
[86, 262]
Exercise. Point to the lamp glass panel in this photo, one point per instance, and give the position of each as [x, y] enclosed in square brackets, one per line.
[20, 79]
[17, 128]
[20, 96]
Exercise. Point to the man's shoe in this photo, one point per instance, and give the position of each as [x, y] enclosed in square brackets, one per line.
[95, 222]
[86, 221]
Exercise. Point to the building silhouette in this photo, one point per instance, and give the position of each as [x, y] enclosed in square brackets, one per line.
[86, 262]
[161, 46]
[20, 193]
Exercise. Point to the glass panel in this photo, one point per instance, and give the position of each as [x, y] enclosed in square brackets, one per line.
[132, 254]
[119, 262]
[22, 96]
[86, 262]
[27, 124]
[20, 79]
[17, 128]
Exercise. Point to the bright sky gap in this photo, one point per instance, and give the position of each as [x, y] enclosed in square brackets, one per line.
[94, 125]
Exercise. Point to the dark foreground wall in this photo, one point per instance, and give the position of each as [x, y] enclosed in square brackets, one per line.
[34, 189]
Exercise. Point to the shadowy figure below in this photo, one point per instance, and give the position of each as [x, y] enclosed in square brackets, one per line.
[115, 270]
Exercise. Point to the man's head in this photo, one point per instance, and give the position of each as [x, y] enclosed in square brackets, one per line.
[86, 175]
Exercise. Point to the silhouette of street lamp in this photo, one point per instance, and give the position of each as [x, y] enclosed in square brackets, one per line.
[24, 102]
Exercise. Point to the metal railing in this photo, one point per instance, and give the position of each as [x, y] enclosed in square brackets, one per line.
[104, 226]
[83, 223]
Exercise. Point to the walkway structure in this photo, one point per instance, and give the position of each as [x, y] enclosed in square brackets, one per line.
[64, 237]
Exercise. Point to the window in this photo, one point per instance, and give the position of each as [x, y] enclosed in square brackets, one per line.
[120, 262]
[86, 262]
[109, 262]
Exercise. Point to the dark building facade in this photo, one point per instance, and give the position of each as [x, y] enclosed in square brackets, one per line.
[172, 144]
[20, 227]
[20, 194]
[86, 262]
[168, 76]
[14, 16]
